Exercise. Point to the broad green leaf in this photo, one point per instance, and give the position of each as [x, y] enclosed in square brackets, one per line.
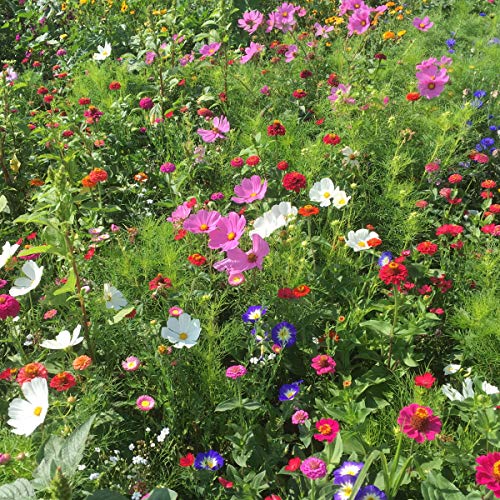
[32, 250]
[383, 327]
[4, 207]
[20, 489]
[163, 494]
[69, 286]
[437, 487]
[251, 405]
[229, 404]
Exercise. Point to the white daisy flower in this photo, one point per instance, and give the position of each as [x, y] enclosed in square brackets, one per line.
[22, 286]
[8, 252]
[323, 192]
[182, 331]
[102, 52]
[279, 216]
[453, 395]
[350, 157]
[340, 199]
[27, 414]
[114, 298]
[64, 339]
[359, 240]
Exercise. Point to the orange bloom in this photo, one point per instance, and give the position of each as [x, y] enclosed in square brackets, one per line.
[301, 291]
[141, 177]
[82, 362]
[308, 210]
[87, 182]
[36, 182]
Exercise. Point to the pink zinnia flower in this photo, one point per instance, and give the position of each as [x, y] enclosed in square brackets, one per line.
[323, 364]
[31, 371]
[328, 430]
[422, 24]
[9, 306]
[175, 311]
[235, 371]
[236, 279]
[202, 221]
[300, 417]
[239, 261]
[313, 468]
[251, 21]
[145, 403]
[210, 50]
[419, 423]
[131, 364]
[146, 103]
[250, 190]
[488, 472]
[220, 127]
[359, 22]
[50, 314]
[251, 51]
[227, 233]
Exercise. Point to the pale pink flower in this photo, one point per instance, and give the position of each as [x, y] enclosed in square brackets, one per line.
[220, 126]
[202, 221]
[210, 50]
[359, 22]
[251, 51]
[422, 24]
[250, 190]
[227, 233]
[322, 31]
[291, 53]
[251, 21]
[238, 261]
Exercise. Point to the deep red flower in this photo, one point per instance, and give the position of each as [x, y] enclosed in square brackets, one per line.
[237, 162]
[181, 233]
[98, 175]
[331, 138]
[90, 253]
[333, 80]
[252, 160]
[160, 282]
[299, 93]
[293, 464]
[427, 248]
[187, 460]
[197, 259]
[393, 273]
[493, 229]
[286, 293]
[225, 483]
[115, 86]
[62, 381]
[426, 380]
[83, 101]
[442, 283]
[205, 113]
[8, 374]
[301, 291]
[282, 165]
[451, 229]
[413, 96]
[294, 181]
[276, 128]
[305, 74]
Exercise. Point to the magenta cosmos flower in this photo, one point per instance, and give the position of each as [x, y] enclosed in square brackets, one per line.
[251, 51]
[419, 423]
[220, 126]
[227, 232]
[145, 403]
[313, 468]
[202, 221]
[488, 472]
[251, 20]
[250, 190]
[238, 261]
[323, 364]
[210, 50]
[235, 371]
[328, 430]
[359, 22]
[423, 24]
[131, 364]
[9, 306]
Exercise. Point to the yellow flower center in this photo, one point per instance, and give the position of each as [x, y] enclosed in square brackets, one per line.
[253, 195]
[231, 236]
[325, 429]
[145, 403]
[341, 201]
[326, 195]
[203, 227]
[420, 418]
[362, 244]
[431, 85]
[496, 470]
[37, 411]
[183, 335]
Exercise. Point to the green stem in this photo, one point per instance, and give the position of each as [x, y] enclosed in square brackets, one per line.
[393, 326]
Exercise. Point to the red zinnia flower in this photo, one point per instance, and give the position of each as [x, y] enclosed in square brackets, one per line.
[282, 165]
[294, 181]
[253, 160]
[8, 374]
[305, 74]
[393, 273]
[455, 178]
[328, 430]
[286, 293]
[83, 101]
[308, 210]
[187, 460]
[331, 138]
[426, 380]
[413, 96]
[276, 128]
[98, 175]
[31, 371]
[301, 291]
[488, 184]
[450, 229]
[374, 242]
[197, 259]
[479, 157]
[427, 248]
[299, 93]
[237, 162]
[293, 464]
[160, 281]
[115, 86]
[62, 381]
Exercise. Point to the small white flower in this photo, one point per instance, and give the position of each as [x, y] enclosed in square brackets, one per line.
[97, 449]
[114, 460]
[350, 157]
[8, 252]
[64, 339]
[131, 446]
[102, 52]
[94, 476]
[182, 331]
[27, 414]
[29, 340]
[359, 240]
[488, 388]
[323, 192]
[279, 216]
[114, 298]
[340, 199]
[22, 286]
[136, 496]
[453, 395]
[81, 467]
[451, 369]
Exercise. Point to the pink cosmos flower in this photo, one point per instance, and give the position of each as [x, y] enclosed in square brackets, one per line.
[202, 221]
[227, 233]
[131, 364]
[359, 22]
[220, 127]
[351, 5]
[419, 423]
[180, 213]
[210, 50]
[338, 91]
[313, 468]
[238, 261]
[488, 472]
[328, 430]
[251, 21]
[145, 403]
[186, 59]
[323, 364]
[322, 31]
[300, 417]
[251, 51]
[236, 371]
[250, 190]
[422, 24]
[431, 79]
[291, 53]
[150, 57]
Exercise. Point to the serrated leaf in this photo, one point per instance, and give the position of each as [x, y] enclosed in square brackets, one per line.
[21, 489]
[69, 286]
[32, 250]
[106, 495]
[163, 494]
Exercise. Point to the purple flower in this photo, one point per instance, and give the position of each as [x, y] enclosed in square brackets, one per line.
[265, 90]
[180, 213]
[220, 127]
[167, 168]
[186, 59]
[250, 190]
[150, 57]
[251, 21]
[431, 79]
[251, 51]
[291, 52]
[300, 417]
[210, 50]
[209, 460]
[202, 221]
[253, 314]
[284, 334]
[146, 103]
[371, 492]
[227, 233]
[348, 471]
[359, 22]
[313, 468]
[287, 392]
[422, 24]
[131, 364]
[217, 196]
[61, 52]
[322, 31]
[345, 490]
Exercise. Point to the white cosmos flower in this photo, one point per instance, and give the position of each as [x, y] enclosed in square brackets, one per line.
[451, 369]
[64, 339]
[8, 251]
[27, 415]
[102, 52]
[182, 331]
[114, 298]
[322, 192]
[359, 240]
[277, 217]
[350, 156]
[340, 199]
[454, 395]
[22, 286]
[489, 389]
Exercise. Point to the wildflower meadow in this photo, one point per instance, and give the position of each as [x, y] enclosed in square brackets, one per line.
[249, 250]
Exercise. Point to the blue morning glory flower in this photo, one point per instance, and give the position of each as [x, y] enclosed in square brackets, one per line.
[487, 142]
[385, 258]
[371, 493]
[284, 334]
[345, 490]
[288, 392]
[209, 460]
[348, 471]
[479, 94]
[253, 314]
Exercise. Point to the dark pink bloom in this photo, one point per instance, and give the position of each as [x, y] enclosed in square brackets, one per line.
[180, 213]
[313, 468]
[250, 190]
[146, 103]
[210, 50]
[202, 221]
[9, 306]
[419, 423]
[328, 430]
[227, 233]
[235, 371]
[488, 472]
[251, 51]
[423, 24]
[238, 261]
[359, 22]
[251, 21]
[220, 127]
[323, 364]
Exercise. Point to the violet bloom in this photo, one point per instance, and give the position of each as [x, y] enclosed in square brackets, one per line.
[265, 90]
[250, 190]
[167, 168]
[186, 59]
[150, 57]
[180, 213]
[359, 22]
[351, 5]
[227, 233]
[423, 24]
[210, 50]
[241, 261]
[251, 21]
[251, 51]
[220, 126]
[291, 52]
[61, 52]
[322, 30]
[340, 90]
[10, 74]
[202, 221]
[271, 21]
